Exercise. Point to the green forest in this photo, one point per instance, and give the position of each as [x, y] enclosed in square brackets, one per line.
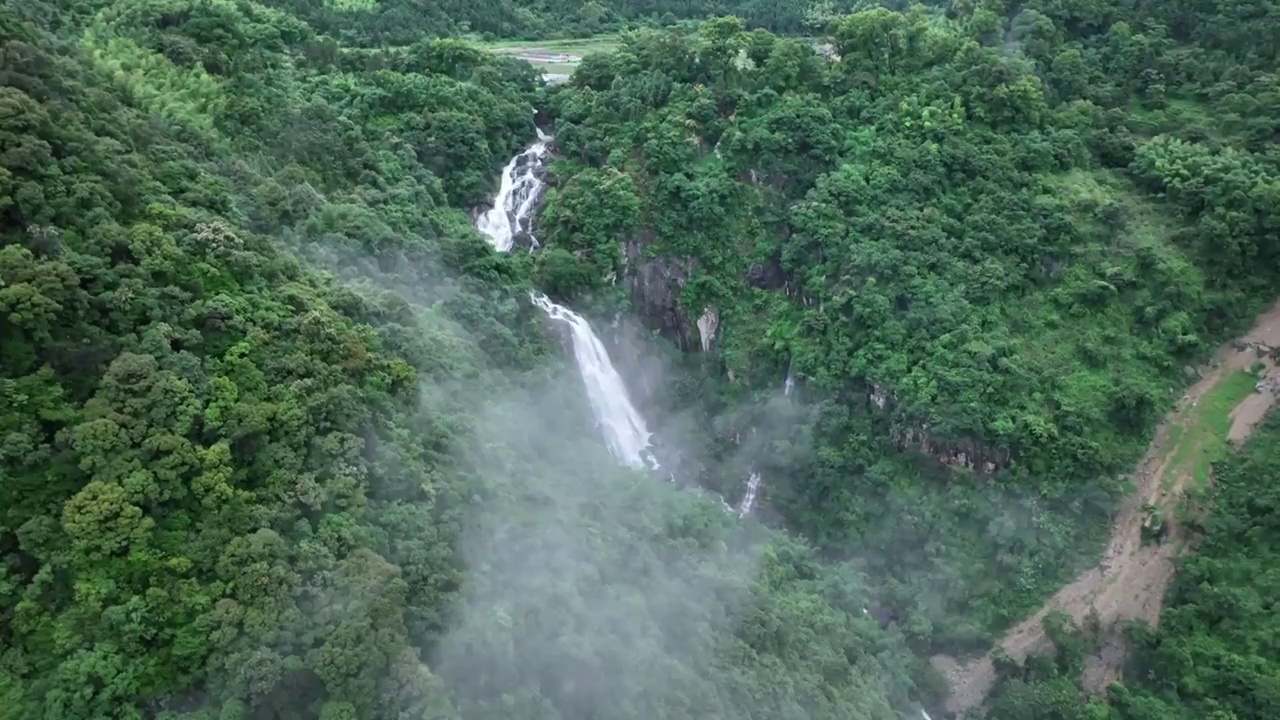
[374, 23]
[281, 436]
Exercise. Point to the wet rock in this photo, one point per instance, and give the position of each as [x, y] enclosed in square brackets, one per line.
[767, 276]
[525, 239]
[655, 285]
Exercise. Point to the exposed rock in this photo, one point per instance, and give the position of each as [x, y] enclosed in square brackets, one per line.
[767, 276]
[655, 285]
[879, 396]
[959, 453]
[525, 239]
[707, 326]
[526, 159]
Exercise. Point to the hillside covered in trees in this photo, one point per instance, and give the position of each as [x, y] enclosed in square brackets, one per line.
[282, 437]
[990, 245]
[402, 22]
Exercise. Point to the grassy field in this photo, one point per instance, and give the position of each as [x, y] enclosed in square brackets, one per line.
[542, 53]
[1203, 440]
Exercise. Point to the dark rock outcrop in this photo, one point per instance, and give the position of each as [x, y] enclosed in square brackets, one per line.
[768, 275]
[961, 453]
[655, 285]
[525, 240]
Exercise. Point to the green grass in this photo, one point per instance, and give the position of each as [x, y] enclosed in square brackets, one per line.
[573, 46]
[577, 47]
[1202, 441]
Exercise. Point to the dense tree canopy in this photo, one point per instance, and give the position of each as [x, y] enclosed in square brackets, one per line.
[402, 22]
[281, 436]
[994, 238]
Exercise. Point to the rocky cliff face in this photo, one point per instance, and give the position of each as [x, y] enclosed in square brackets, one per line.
[768, 275]
[961, 452]
[655, 285]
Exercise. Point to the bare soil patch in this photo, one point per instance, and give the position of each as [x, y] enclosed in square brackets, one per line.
[1129, 582]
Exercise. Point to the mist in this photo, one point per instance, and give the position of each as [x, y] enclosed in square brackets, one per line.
[600, 589]
[590, 589]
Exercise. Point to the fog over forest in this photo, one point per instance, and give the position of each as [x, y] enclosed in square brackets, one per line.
[611, 359]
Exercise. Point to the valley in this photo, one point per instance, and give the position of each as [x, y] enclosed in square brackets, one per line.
[801, 360]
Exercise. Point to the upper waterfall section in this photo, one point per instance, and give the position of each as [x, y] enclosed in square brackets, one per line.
[513, 206]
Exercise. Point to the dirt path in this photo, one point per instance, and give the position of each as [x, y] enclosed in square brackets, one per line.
[1130, 581]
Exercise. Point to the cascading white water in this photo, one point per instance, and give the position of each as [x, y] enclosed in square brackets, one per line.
[624, 429]
[749, 498]
[518, 192]
[753, 482]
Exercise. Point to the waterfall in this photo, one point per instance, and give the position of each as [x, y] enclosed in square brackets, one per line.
[624, 429]
[749, 498]
[753, 482]
[521, 186]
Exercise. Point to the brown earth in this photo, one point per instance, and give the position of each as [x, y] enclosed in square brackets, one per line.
[1130, 581]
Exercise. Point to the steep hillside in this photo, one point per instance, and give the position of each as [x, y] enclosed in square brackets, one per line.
[1212, 656]
[989, 246]
[281, 437]
[1151, 530]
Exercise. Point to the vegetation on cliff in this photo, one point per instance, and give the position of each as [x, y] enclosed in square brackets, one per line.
[989, 243]
[280, 436]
